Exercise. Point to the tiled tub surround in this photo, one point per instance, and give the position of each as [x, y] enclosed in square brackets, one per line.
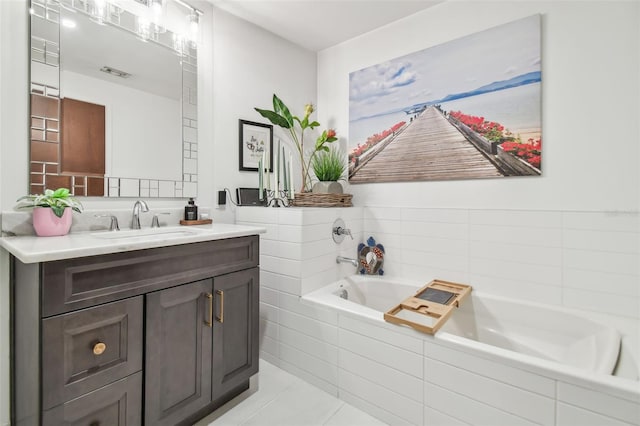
[391, 372]
[521, 384]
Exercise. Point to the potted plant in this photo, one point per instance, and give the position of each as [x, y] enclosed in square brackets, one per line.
[281, 116]
[52, 211]
[329, 167]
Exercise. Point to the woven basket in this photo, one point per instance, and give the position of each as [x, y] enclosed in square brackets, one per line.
[310, 199]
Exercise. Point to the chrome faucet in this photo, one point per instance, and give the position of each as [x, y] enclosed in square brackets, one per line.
[342, 259]
[135, 219]
[339, 230]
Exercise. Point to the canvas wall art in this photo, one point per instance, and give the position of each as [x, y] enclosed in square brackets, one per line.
[466, 109]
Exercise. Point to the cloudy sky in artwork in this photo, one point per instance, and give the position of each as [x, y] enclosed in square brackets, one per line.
[457, 66]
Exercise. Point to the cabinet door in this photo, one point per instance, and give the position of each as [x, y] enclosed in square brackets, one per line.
[235, 329]
[178, 357]
[117, 404]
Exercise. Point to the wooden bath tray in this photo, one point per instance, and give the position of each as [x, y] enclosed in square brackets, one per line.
[430, 307]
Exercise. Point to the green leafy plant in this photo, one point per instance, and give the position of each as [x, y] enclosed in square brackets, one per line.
[282, 117]
[329, 165]
[57, 200]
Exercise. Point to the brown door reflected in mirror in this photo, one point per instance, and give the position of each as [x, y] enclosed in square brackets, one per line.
[83, 138]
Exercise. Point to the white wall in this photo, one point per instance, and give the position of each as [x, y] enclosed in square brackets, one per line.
[140, 141]
[555, 238]
[590, 64]
[13, 154]
[250, 65]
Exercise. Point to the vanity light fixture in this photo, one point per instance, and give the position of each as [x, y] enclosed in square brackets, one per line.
[143, 28]
[157, 7]
[178, 44]
[98, 9]
[68, 23]
[194, 23]
[115, 72]
[158, 15]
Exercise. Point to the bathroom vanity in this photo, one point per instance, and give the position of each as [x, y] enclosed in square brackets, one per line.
[137, 330]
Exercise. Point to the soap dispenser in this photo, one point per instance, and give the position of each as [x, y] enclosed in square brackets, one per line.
[191, 210]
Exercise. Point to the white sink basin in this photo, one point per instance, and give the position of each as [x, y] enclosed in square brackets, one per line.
[149, 234]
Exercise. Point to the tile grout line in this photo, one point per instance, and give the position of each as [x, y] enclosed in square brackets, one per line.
[340, 406]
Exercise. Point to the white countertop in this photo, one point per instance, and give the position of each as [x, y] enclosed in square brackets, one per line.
[32, 249]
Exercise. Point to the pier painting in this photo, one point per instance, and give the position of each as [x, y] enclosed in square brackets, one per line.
[466, 109]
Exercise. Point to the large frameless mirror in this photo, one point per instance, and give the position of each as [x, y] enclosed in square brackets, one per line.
[113, 101]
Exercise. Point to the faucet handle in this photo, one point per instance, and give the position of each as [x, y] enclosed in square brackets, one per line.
[113, 226]
[155, 222]
[342, 231]
[347, 232]
[339, 230]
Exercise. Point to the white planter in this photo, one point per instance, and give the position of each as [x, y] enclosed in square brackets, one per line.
[329, 187]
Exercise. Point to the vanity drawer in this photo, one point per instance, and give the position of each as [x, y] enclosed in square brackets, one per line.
[85, 350]
[78, 283]
[117, 404]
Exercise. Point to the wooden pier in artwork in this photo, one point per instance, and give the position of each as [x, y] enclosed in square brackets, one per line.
[430, 148]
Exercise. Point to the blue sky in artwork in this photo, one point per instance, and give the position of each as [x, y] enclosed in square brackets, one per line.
[457, 66]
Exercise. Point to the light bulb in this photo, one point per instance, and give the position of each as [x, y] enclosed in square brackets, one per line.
[156, 7]
[143, 28]
[99, 11]
[193, 28]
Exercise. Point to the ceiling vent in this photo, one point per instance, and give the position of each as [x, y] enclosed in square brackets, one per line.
[116, 72]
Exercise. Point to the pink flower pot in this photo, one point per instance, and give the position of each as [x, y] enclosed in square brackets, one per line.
[47, 224]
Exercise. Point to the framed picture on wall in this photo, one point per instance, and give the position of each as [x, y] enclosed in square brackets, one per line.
[256, 139]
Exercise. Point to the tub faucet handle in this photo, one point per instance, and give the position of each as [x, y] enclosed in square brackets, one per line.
[338, 230]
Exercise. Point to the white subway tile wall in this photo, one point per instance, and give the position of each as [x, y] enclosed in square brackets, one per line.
[582, 260]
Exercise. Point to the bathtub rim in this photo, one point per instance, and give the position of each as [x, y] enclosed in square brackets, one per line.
[621, 387]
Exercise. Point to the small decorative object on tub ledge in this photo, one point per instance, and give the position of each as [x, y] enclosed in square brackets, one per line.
[430, 307]
[371, 258]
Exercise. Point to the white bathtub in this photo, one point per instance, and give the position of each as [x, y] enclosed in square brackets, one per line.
[553, 340]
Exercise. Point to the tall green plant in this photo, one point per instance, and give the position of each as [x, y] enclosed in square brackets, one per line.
[282, 117]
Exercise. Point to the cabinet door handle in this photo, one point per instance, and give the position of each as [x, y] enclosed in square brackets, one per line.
[99, 348]
[209, 322]
[221, 317]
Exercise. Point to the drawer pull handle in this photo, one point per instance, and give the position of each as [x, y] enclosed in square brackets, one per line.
[221, 317]
[209, 323]
[99, 348]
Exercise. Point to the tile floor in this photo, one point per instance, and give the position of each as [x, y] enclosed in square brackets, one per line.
[282, 399]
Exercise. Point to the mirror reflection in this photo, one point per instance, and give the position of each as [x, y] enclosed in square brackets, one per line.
[113, 114]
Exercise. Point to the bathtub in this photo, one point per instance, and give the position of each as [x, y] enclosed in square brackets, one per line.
[551, 341]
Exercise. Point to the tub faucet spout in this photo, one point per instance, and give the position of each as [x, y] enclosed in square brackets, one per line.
[341, 259]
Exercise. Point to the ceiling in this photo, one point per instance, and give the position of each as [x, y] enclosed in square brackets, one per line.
[318, 24]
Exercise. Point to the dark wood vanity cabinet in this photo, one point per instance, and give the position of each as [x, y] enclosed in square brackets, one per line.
[156, 337]
[191, 328]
